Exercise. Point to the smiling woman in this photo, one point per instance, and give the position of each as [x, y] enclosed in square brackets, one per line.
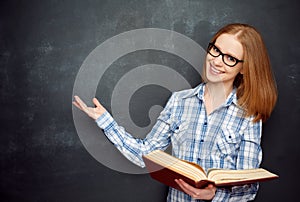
[215, 124]
[222, 71]
[255, 69]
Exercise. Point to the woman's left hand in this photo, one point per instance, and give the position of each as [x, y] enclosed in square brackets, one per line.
[207, 193]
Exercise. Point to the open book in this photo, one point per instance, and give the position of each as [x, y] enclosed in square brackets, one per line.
[166, 168]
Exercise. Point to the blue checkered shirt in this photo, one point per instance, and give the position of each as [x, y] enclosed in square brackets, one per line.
[223, 139]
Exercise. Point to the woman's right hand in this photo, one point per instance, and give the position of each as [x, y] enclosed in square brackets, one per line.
[93, 112]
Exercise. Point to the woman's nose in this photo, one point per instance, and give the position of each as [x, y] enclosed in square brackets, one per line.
[218, 60]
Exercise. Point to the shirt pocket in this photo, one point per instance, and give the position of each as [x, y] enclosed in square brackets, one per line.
[229, 142]
[180, 135]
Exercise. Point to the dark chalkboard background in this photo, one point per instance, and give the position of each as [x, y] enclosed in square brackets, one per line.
[43, 45]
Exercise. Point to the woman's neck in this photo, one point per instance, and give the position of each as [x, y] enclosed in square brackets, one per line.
[215, 95]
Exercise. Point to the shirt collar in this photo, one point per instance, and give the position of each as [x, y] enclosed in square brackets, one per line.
[200, 89]
[232, 98]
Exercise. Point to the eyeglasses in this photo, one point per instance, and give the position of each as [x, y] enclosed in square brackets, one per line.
[227, 59]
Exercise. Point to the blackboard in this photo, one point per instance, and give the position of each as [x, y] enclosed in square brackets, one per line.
[43, 45]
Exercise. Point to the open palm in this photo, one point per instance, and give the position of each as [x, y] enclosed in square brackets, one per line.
[93, 112]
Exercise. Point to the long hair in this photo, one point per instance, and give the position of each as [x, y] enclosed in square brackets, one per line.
[256, 87]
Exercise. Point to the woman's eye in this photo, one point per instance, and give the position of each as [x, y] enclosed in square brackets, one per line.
[230, 58]
[216, 49]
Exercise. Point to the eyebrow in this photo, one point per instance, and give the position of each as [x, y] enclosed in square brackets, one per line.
[230, 54]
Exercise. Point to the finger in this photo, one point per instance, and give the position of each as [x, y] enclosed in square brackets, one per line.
[185, 187]
[212, 188]
[196, 193]
[96, 102]
[80, 102]
[77, 105]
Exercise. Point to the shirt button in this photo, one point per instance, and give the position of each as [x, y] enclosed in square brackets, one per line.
[202, 140]
[205, 123]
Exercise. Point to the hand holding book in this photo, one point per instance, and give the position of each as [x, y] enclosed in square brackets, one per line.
[206, 193]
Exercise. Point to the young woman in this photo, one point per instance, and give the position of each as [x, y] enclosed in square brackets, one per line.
[218, 124]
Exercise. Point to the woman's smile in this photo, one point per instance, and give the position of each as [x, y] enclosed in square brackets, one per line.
[215, 71]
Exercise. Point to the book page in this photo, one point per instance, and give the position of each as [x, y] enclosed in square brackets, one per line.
[222, 175]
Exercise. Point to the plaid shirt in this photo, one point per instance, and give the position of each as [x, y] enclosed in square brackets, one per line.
[223, 139]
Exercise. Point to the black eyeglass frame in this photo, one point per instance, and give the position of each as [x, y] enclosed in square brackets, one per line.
[212, 45]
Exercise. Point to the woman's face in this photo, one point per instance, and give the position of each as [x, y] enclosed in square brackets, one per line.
[216, 70]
